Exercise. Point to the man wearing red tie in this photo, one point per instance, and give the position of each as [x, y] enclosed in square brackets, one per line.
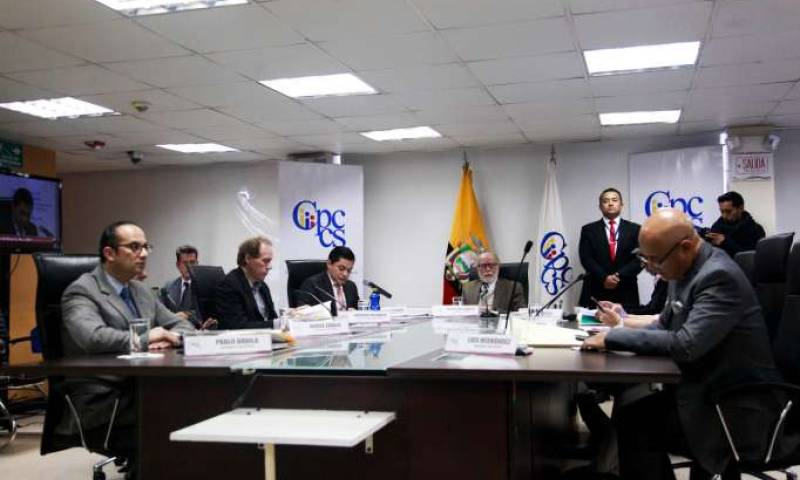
[606, 251]
[334, 282]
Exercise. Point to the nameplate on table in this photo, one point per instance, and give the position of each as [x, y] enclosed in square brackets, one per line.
[366, 317]
[488, 343]
[226, 342]
[311, 328]
[455, 310]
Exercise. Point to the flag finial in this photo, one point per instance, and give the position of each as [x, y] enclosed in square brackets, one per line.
[466, 162]
[553, 152]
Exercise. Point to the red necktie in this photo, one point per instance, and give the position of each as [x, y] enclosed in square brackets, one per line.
[612, 240]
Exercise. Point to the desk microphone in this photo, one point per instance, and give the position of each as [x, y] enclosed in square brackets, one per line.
[331, 310]
[547, 305]
[377, 288]
[528, 246]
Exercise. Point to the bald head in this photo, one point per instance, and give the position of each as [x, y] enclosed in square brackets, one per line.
[669, 242]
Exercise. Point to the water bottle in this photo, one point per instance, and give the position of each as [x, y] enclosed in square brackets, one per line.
[374, 300]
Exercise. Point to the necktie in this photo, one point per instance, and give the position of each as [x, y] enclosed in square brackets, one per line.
[340, 299]
[126, 296]
[612, 240]
[185, 295]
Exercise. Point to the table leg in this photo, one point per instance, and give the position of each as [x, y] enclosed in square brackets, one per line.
[269, 462]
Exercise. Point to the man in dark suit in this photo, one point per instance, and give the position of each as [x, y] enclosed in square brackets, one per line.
[20, 222]
[177, 294]
[491, 292]
[243, 299]
[605, 250]
[713, 328]
[334, 281]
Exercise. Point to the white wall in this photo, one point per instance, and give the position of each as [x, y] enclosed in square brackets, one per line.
[787, 183]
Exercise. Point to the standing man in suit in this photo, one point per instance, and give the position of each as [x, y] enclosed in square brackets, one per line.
[490, 291]
[177, 294]
[97, 309]
[243, 299]
[334, 282]
[605, 249]
[713, 328]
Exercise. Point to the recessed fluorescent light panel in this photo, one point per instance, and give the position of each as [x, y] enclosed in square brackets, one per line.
[647, 57]
[53, 108]
[340, 84]
[134, 8]
[402, 134]
[635, 118]
[197, 148]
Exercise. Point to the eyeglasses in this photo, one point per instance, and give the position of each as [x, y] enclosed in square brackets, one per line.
[487, 266]
[656, 265]
[137, 247]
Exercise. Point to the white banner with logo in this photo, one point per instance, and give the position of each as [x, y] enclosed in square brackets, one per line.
[688, 179]
[321, 207]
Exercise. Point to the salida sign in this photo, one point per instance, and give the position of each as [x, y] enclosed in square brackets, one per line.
[752, 165]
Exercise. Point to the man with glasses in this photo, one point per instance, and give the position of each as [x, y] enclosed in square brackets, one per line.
[243, 299]
[712, 327]
[97, 309]
[489, 291]
[605, 249]
[334, 281]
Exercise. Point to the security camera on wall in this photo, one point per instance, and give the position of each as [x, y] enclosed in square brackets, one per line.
[135, 156]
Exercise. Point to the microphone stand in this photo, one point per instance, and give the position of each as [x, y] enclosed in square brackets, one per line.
[527, 249]
[547, 305]
[331, 310]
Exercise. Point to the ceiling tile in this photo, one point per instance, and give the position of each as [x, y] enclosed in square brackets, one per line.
[471, 13]
[355, 105]
[643, 102]
[45, 128]
[388, 52]
[379, 122]
[593, 6]
[785, 120]
[279, 111]
[280, 62]
[154, 137]
[748, 73]
[159, 100]
[16, 14]
[423, 77]
[751, 48]
[720, 108]
[510, 40]
[233, 131]
[752, 93]
[434, 116]
[478, 129]
[85, 80]
[17, 53]
[188, 119]
[787, 107]
[331, 141]
[321, 20]
[538, 111]
[528, 69]
[11, 91]
[550, 135]
[487, 140]
[532, 92]
[636, 83]
[176, 71]
[249, 94]
[222, 29]
[112, 41]
[456, 97]
[637, 131]
[582, 122]
[309, 127]
[266, 144]
[116, 124]
[672, 23]
[742, 17]
[794, 93]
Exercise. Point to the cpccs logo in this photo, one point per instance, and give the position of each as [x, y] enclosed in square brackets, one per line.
[555, 269]
[327, 225]
[692, 206]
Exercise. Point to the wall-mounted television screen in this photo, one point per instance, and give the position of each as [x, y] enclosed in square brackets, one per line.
[30, 213]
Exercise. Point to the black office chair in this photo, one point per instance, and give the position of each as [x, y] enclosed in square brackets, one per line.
[298, 271]
[509, 271]
[205, 279]
[769, 273]
[746, 261]
[784, 345]
[55, 273]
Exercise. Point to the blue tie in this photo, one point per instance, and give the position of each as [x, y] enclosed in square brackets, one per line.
[125, 294]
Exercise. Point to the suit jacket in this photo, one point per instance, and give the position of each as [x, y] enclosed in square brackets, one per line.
[471, 291]
[8, 227]
[596, 261]
[322, 281]
[713, 328]
[95, 321]
[236, 306]
[170, 296]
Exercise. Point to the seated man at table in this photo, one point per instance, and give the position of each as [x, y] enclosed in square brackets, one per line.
[96, 311]
[243, 299]
[490, 291]
[334, 282]
[711, 326]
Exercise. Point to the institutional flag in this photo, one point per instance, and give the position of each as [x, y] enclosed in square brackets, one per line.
[467, 238]
[552, 268]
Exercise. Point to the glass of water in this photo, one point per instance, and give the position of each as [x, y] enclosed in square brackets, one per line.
[458, 301]
[363, 305]
[140, 330]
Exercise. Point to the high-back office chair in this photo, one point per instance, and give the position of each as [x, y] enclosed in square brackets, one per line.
[769, 273]
[205, 279]
[787, 334]
[298, 271]
[746, 261]
[55, 273]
